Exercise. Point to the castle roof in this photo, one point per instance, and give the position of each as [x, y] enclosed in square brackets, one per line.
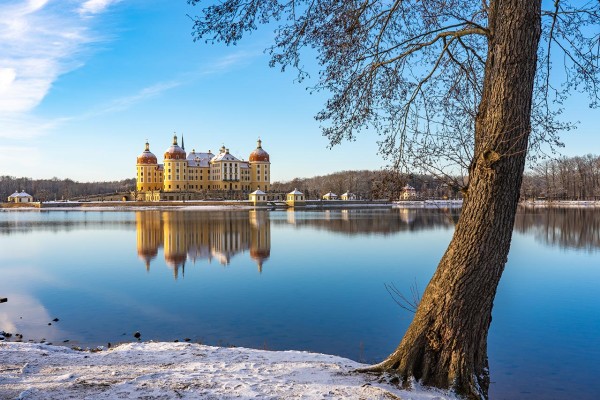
[199, 159]
[147, 157]
[224, 155]
[175, 152]
[259, 154]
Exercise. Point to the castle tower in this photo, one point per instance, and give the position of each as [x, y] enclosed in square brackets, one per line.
[175, 169]
[149, 175]
[260, 169]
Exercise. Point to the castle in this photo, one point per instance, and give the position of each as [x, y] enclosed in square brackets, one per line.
[184, 177]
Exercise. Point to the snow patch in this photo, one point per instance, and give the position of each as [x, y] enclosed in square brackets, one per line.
[188, 371]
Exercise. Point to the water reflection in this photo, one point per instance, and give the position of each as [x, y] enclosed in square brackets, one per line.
[25, 222]
[198, 236]
[366, 222]
[568, 228]
[188, 236]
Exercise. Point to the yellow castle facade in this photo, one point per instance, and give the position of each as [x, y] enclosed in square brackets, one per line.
[182, 174]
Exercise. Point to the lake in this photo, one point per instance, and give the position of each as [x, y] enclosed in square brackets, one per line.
[304, 280]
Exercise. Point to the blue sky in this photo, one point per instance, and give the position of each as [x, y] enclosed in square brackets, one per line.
[83, 84]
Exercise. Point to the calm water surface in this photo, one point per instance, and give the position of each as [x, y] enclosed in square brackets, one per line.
[307, 280]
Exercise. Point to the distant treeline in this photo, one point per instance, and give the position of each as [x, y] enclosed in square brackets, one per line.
[60, 189]
[574, 178]
[567, 178]
[376, 185]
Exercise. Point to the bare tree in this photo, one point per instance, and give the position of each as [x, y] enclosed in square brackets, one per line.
[447, 84]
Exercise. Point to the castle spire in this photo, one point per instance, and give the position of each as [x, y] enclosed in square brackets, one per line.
[182, 145]
[147, 145]
[259, 143]
[174, 139]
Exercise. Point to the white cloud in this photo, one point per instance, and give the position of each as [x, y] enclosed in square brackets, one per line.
[39, 41]
[95, 6]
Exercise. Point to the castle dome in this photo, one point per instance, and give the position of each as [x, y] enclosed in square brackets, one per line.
[175, 152]
[259, 154]
[147, 157]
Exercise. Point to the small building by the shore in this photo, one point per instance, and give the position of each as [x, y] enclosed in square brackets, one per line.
[348, 196]
[21, 197]
[258, 197]
[295, 198]
[330, 196]
[408, 193]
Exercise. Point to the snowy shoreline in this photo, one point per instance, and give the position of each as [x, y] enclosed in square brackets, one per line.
[188, 371]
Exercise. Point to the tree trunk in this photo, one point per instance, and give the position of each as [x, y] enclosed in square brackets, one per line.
[446, 344]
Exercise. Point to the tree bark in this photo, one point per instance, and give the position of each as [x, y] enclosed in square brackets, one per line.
[446, 344]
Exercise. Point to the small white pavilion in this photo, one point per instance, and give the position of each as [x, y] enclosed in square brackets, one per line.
[330, 196]
[258, 197]
[295, 198]
[21, 197]
[348, 196]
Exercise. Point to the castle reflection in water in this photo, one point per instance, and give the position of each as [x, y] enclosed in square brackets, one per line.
[192, 236]
[196, 236]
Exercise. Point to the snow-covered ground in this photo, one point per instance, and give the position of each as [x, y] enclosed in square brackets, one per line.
[187, 371]
[561, 203]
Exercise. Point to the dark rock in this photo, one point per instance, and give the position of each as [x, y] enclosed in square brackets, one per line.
[66, 341]
[137, 335]
[55, 320]
[109, 345]
[176, 340]
[49, 323]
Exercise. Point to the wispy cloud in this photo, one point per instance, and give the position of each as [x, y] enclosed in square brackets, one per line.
[39, 41]
[95, 6]
[123, 103]
[157, 89]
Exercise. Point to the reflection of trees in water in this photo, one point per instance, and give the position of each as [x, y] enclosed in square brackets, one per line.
[55, 226]
[382, 222]
[577, 228]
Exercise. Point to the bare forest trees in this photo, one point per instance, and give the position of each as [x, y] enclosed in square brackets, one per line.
[450, 85]
[60, 189]
[370, 185]
[573, 178]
